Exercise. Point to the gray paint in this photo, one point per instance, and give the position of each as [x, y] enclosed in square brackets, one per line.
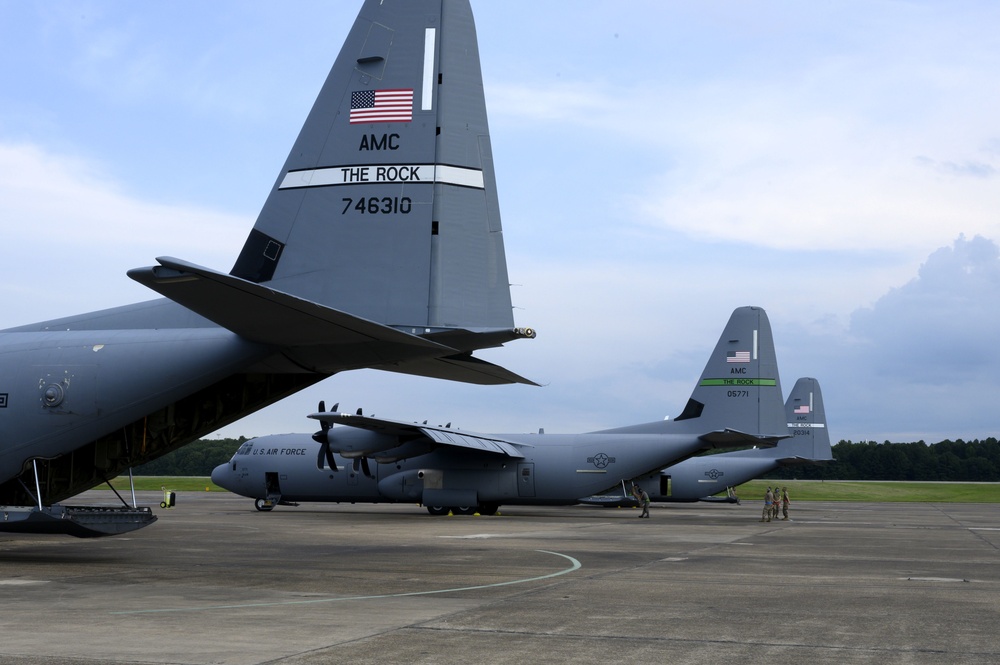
[699, 478]
[320, 287]
[519, 468]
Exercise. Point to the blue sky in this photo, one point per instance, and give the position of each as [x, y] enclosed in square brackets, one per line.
[658, 165]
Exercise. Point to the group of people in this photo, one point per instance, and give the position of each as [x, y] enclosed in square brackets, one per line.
[775, 500]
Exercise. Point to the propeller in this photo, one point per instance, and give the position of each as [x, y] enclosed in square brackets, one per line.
[322, 437]
[362, 464]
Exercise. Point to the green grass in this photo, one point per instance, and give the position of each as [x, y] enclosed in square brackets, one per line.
[875, 491]
[177, 483]
[798, 490]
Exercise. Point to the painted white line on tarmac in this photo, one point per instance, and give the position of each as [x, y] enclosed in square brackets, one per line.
[575, 565]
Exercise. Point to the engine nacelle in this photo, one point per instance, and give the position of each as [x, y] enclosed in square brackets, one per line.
[353, 443]
[403, 486]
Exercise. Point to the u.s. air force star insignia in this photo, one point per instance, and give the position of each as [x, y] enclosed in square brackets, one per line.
[600, 460]
[714, 474]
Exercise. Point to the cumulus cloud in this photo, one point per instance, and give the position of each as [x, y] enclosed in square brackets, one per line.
[922, 362]
[942, 325]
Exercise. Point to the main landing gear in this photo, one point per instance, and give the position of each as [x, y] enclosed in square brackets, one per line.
[483, 509]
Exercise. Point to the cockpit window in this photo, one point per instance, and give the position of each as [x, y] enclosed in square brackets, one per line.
[245, 448]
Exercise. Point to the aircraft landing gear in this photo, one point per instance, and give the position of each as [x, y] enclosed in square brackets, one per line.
[263, 505]
[484, 509]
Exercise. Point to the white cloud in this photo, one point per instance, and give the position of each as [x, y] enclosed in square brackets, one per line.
[74, 233]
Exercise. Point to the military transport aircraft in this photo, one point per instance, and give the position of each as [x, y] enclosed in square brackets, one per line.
[736, 402]
[700, 478]
[379, 246]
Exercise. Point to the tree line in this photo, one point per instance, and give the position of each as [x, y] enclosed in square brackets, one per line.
[956, 461]
[194, 459]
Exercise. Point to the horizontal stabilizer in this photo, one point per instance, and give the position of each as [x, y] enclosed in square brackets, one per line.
[730, 438]
[440, 435]
[317, 337]
[801, 461]
[465, 367]
[264, 315]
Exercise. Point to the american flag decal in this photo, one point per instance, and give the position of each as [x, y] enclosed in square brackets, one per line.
[801, 409]
[737, 356]
[381, 106]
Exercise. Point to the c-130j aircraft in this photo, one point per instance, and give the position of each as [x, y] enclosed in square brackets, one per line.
[379, 246]
[737, 402]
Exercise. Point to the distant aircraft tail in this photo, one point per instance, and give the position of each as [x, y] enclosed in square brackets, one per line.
[806, 417]
[737, 401]
[387, 206]
[739, 391]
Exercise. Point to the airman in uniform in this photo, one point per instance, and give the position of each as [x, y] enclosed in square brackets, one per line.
[768, 505]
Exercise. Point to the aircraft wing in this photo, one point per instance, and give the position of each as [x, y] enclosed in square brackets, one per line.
[441, 435]
[321, 338]
[731, 438]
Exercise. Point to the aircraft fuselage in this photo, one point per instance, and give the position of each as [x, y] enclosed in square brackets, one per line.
[556, 469]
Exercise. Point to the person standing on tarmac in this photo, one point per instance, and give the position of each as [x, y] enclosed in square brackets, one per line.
[768, 503]
[784, 502]
[644, 500]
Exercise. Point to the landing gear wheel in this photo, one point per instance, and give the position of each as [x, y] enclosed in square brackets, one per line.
[437, 511]
[489, 508]
[263, 506]
[465, 510]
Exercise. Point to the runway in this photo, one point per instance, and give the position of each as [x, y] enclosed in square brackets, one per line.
[214, 581]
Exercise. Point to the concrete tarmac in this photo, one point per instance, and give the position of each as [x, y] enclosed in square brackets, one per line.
[214, 581]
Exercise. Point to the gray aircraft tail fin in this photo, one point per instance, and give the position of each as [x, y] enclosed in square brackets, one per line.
[806, 417]
[386, 206]
[739, 389]
[737, 401]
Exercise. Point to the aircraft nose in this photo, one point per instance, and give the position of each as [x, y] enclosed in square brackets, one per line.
[221, 476]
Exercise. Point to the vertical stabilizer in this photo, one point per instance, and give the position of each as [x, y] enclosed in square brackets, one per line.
[386, 206]
[739, 388]
[807, 423]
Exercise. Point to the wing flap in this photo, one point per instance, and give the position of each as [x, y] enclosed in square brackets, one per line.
[473, 442]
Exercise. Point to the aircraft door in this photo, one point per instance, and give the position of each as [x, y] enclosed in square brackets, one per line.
[665, 487]
[526, 479]
[272, 487]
